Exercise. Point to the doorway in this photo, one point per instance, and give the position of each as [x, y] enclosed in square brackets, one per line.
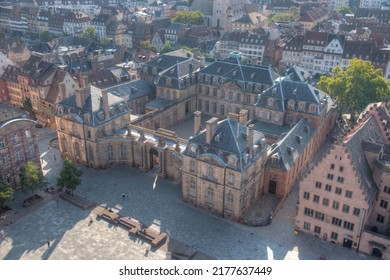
[347, 243]
[153, 157]
[376, 253]
[272, 186]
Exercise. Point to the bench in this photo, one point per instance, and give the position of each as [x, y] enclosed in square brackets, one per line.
[109, 216]
[132, 225]
[153, 236]
[159, 239]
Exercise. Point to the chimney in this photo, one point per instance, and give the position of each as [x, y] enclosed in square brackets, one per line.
[211, 127]
[84, 81]
[106, 108]
[202, 61]
[81, 96]
[243, 117]
[232, 116]
[250, 139]
[197, 119]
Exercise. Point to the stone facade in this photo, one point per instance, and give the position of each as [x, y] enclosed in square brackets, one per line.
[18, 144]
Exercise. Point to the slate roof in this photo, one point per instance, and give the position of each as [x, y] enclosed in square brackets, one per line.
[180, 74]
[205, 6]
[288, 150]
[232, 69]
[354, 142]
[8, 112]
[159, 103]
[133, 90]
[230, 138]
[11, 74]
[291, 90]
[54, 90]
[295, 43]
[93, 107]
[163, 62]
[297, 74]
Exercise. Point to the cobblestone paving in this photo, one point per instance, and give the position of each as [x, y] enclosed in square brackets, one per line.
[154, 202]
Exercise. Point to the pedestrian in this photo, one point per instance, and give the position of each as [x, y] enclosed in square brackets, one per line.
[54, 157]
[48, 244]
[123, 196]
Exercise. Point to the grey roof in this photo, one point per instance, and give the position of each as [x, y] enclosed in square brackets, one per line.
[164, 61]
[159, 103]
[233, 69]
[270, 129]
[290, 147]
[298, 74]
[8, 112]
[230, 138]
[354, 142]
[205, 6]
[181, 74]
[291, 90]
[371, 147]
[93, 107]
[133, 90]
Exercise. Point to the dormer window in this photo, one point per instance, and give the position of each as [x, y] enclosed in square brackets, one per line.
[302, 106]
[192, 149]
[270, 102]
[291, 104]
[312, 108]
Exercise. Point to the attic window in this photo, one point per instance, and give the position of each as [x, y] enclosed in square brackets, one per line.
[252, 75]
[234, 73]
[217, 137]
[306, 128]
[159, 60]
[172, 70]
[299, 139]
[219, 70]
[290, 150]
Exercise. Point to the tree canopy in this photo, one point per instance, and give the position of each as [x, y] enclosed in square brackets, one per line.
[148, 46]
[91, 34]
[356, 86]
[31, 178]
[6, 194]
[167, 47]
[343, 10]
[47, 36]
[188, 17]
[291, 15]
[70, 176]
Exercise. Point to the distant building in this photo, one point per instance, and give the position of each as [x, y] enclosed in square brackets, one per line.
[18, 144]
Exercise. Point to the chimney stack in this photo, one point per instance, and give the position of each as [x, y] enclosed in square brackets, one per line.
[84, 81]
[232, 116]
[106, 108]
[197, 119]
[243, 117]
[250, 140]
[211, 127]
[196, 53]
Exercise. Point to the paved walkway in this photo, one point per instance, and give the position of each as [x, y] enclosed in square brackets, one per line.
[154, 202]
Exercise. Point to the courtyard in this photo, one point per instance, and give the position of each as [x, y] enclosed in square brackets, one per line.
[152, 201]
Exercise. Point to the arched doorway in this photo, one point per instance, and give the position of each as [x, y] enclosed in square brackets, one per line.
[153, 153]
[376, 253]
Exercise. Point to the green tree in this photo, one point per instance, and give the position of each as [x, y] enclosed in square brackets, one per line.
[91, 34]
[70, 176]
[189, 17]
[291, 15]
[106, 40]
[343, 10]
[46, 36]
[31, 178]
[27, 106]
[167, 47]
[6, 194]
[356, 86]
[148, 46]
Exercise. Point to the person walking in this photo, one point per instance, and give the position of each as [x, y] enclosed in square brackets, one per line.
[48, 244]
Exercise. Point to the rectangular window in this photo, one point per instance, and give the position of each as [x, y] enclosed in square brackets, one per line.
[330, 176]
[316, 198]
[207, 90]
[340, 179]
[200, 89]
[341, 169]
[306, 195]
[348, 225]
[309, 212]
[348, 194]
[332, 166]
[319, 216]
[200, 104]
[325, 201]
[318, 185]
[338, 191]
[336, 205]
[334, 236]
[215, 91]
[207, 106]
[222, 110]
[328, 188]
[356, 211]
[383, 204]
[5, 159]
[214, 107]
[345, 208]
[336, 221]
[19, 155]
[306, 225]
[386, 189]
[380, 219]
[2, 145]
[317, 229]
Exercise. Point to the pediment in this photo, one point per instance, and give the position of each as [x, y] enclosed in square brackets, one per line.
[212, 159]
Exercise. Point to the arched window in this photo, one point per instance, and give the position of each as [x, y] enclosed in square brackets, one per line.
[110, 152]
[209, 196]
[76, 147]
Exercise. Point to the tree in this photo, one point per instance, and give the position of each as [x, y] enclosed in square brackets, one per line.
[91, 34]
[356, 86]
[46, 36]
[106, 40]
[70, 176]
[27, 106]
[343, 10]
[167, 47]
[6, 194]
[148, 46]
[31, 178]
[188, 17]
[291, 15]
